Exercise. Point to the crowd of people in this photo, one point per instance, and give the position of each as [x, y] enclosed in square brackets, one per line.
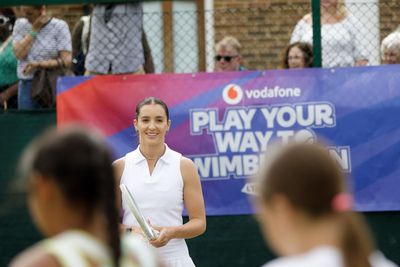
[110, 39]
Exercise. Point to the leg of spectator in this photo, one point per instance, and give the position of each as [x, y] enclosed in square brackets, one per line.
[24, 95]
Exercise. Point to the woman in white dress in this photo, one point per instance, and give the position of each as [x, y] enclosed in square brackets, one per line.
[162, 182]
[341, 35]
[305, 212]
[71, 196]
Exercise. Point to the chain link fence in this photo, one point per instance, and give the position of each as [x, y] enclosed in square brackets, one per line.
[180, 37]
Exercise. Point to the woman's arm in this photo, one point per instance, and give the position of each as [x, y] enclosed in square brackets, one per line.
[194, 203]
[23, 46]
[64, 61]
[360, 47]
[11, 91]
[119, 166]
[66, 57]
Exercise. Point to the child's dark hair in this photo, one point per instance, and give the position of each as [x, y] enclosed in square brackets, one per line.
[312, 180]
[149, 101]
[80, 163]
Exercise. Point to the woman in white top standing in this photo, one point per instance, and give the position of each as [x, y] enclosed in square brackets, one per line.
[341, 35]
[304, 212]
[162, 182]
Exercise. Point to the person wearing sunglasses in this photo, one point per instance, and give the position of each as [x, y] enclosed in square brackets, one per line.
[8, 61]
[227, 55]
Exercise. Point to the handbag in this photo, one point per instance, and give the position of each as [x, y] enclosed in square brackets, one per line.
[44, 84]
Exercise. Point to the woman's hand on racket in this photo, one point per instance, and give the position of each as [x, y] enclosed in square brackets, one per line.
[165, 234]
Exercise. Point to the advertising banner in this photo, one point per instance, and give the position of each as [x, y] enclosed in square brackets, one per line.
[225, 122]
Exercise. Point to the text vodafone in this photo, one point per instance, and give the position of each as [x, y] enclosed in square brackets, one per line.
[273, 92]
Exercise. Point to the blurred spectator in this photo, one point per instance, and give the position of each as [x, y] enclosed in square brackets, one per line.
[390, 49]
[341, 35]
[80, 42]
[305, 212]
[8, 61]
[80, 45]
[148, 58]
[115, 42]
[298, 55]
[72, 200]
[40, 42]
[227, 55]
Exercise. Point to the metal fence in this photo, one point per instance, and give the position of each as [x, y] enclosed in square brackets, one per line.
[180, 36]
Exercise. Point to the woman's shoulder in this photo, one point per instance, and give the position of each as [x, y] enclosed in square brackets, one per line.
[188, 168]
[21, 23]
[58, 23]
[307, 19]
[119, 162]
[34, 256]
[319, 256]
[119, 167]
[304, 23]
[187, 162]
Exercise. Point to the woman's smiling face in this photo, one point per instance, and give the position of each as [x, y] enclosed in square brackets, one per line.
[152, 124]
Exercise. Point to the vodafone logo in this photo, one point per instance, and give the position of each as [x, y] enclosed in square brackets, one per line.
[232, 94]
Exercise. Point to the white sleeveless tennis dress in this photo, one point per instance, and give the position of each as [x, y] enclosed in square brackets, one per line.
[160, 199]
[76, 248]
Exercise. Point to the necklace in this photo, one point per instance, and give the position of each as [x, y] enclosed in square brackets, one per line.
[151, 158]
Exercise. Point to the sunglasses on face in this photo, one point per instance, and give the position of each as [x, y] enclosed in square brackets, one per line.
[226, 58]
[3, 20]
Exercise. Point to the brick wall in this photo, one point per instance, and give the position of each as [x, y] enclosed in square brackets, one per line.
[389, 15]
[69, 13]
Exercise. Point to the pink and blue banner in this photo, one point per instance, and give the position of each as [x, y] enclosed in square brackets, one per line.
[224, 121]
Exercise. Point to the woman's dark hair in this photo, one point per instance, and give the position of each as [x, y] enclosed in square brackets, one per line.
[311, 179]
[149, 101]
[80, 164]
[305, 48]
[9, 13]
